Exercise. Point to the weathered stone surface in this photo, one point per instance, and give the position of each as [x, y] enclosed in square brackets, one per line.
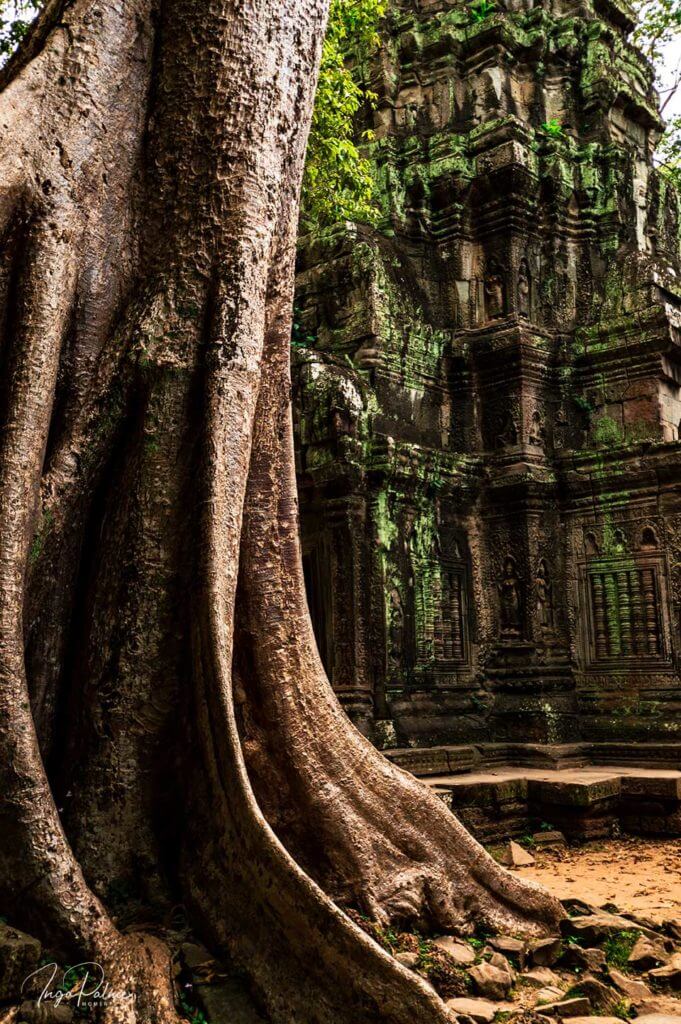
[19, 957]
[594, 928]
[647, 954]
[514, 856]
[595, 1019]
[658, 1018]
[589, 959]
[548, 840]
[516, 949]
[409, 960]
[565, 1008]
[545, 952]
[490, 982]
[633, 988]
[498, 960]
[541, 977]
[482, 1011]
[460, 952]
[600, 996]
[547, 995]
[669, 975]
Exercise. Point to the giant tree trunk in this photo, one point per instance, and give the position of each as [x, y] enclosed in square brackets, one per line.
[150, 165]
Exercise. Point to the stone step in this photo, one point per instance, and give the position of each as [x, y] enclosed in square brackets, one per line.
[586, 802]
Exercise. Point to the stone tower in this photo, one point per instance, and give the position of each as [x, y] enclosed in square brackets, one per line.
[488, 396]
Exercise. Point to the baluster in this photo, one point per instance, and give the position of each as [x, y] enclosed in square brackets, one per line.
[598, 604]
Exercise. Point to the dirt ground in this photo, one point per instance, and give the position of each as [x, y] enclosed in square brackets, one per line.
[641, 876]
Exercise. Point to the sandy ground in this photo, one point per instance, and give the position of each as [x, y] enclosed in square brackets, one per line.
[640, 876]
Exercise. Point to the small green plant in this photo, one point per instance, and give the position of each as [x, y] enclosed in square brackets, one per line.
[546, 826]
[191, 1012]
[477, 944]
[621, 1009]
[527, 841]
[481, 10]
[553, 129]
[617, 947]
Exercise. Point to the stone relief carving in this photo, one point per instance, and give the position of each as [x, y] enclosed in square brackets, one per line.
[537, 434]
[510, 601]
[524, 289]
[495, 298]
[544, 597]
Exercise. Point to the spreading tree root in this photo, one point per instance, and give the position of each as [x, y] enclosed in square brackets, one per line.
[176, 288]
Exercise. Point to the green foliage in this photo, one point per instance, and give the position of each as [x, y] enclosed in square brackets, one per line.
[15, 17]
[481, 10]
[669, 152]
[190, 1012]
[338, 184]
[553, 128]
[659, 25]
[617, 947]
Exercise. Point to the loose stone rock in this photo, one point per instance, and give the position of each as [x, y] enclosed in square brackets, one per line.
[595, 1020]
[514, 856]
[647, 954]
[599, 995]
[635, 989]
[548, 995]
[669, 975]
[479, 1010]
[541, 977]
[591, 959]
[659, 1018]
[490, 981]
[565, 1008]
[407, 959]
[545, 952]
[460, 952]
[597, 927]
[19, 956]
[500, 961]
[510, 947]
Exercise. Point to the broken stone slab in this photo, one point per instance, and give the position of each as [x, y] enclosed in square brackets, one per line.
[547, 995]
[541, 977]
[514, 856]
[595, 1020]
[591, 959]
[499, 960]
[669, 975]
[19, 957]
[513, 949]
[601, 996]
[595, 928]
[647, 954]
[578, 1007]
[482, 1011]
[491, 982]
[549, 840]
[634, 988]
[545, 952]
[409, 960]
[461, 953]
[659, 1018]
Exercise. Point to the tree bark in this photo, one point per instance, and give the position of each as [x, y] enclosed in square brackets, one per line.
[151, 164]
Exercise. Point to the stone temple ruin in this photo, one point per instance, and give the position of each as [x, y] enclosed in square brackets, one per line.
[488, 399]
